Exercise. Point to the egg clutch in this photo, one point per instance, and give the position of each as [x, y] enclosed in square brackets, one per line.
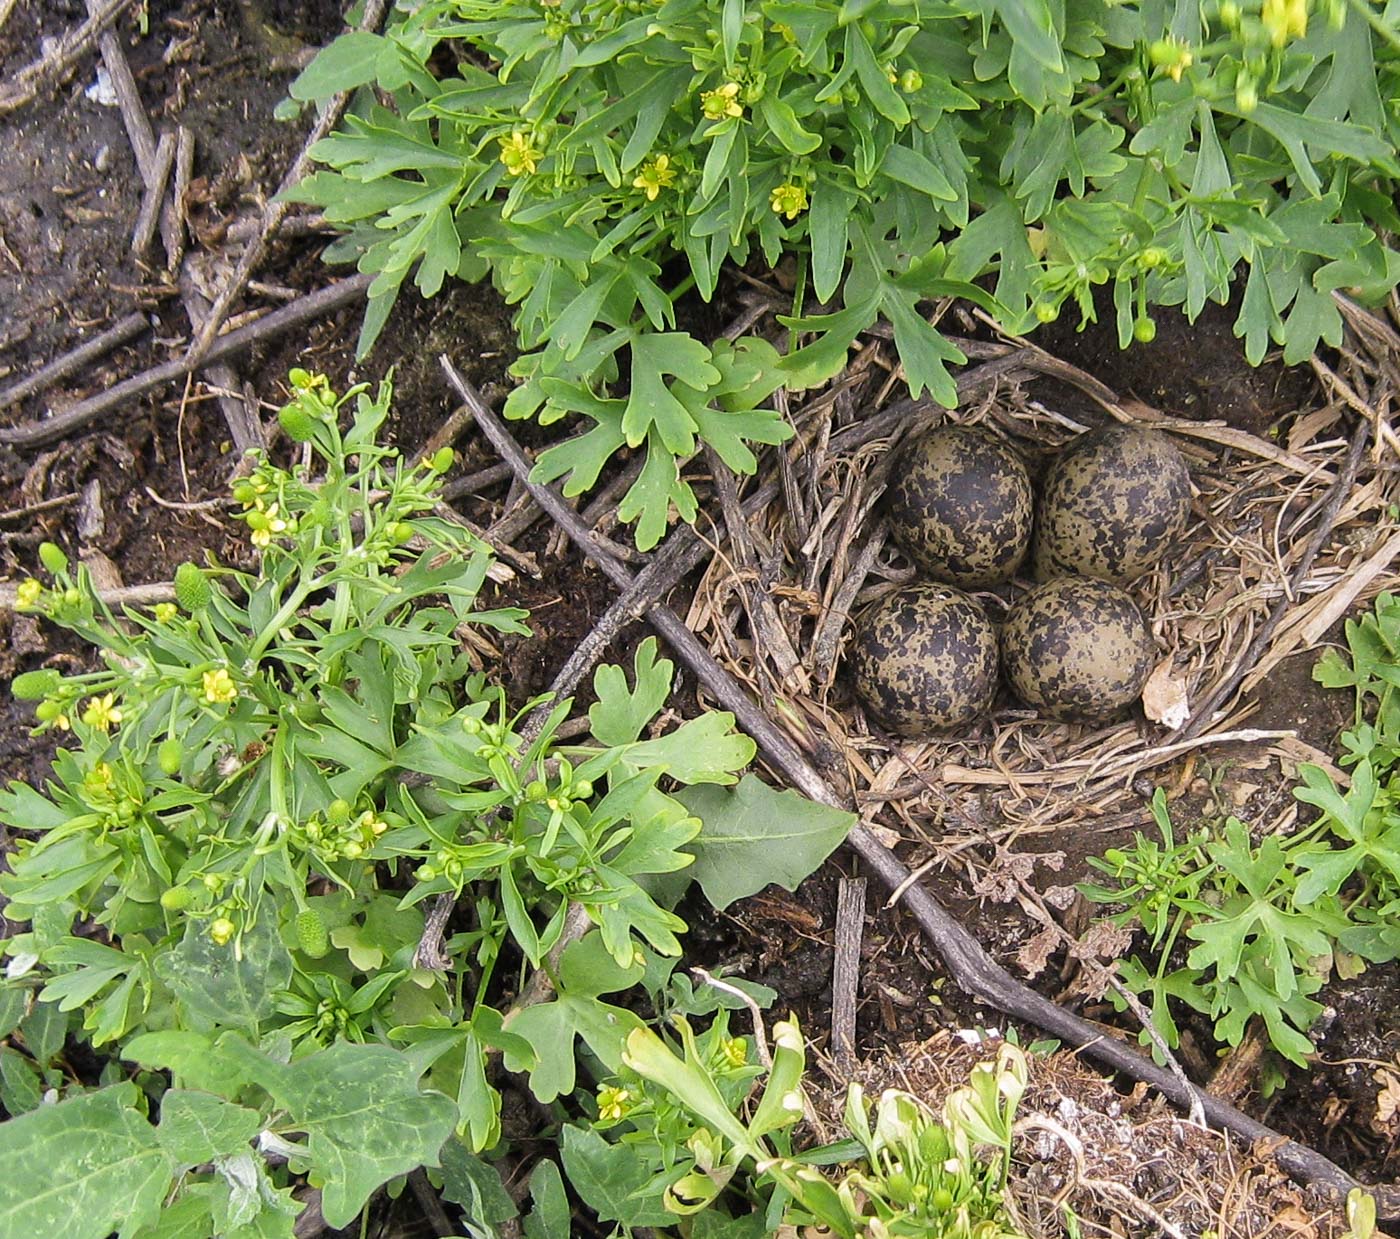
[1076, 646]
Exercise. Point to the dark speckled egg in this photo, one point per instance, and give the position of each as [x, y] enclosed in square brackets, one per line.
[1111, 505]
[961, 506]
[1076, 648]
[925, 659]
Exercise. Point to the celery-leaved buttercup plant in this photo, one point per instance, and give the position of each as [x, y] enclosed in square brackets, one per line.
[258, 787]
[598, 159]
[1266, 923]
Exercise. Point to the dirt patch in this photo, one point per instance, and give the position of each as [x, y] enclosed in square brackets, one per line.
[1192, 370]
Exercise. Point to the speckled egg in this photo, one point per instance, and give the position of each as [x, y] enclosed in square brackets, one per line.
[1076, 648]
[1111, 505]
[925, 659]
[961, 505]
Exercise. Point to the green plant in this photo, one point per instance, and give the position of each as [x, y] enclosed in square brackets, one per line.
[598, 159]
[1270, 920]
[264, 780]
[690, 1135]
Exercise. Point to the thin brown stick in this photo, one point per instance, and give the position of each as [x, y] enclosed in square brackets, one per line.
[1341, 488]
[276, 210]
[845, 972]
[26, 84]
[173, 218]
[971, 967]
[122, 596]
[138, 126]
[312, 306]
[148, 218]
[115, 336]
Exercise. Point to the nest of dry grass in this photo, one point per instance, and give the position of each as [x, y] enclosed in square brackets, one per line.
[776, 603]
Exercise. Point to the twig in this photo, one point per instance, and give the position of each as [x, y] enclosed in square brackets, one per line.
[277, 208]
[25, 84]
[149, 216]
[431, 1204]
[760, 1034]
[116, 335]
[125, 596]
[971, 967]
[172, 220]
[473, 483]
[845, 972]
[1341, 488]
[312, 306]
[138, 126]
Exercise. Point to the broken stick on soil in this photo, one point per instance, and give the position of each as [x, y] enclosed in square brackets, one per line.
[75, 359]
[971, 967]
[311, 306]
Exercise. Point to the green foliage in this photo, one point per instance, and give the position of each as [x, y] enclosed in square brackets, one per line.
[1271, 919]
[223, 878]
[703, 1135]
[597, 159]
[755, 836]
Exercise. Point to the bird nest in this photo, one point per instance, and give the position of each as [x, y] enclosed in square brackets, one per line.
[1286, 535]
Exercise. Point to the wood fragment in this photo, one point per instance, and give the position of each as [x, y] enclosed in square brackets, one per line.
[845, 973]
[133, 112]
[970, 965]
[277, 207]
[173, 220]
[75, 359]
[312, 306]
[25, 85]
[151, 201]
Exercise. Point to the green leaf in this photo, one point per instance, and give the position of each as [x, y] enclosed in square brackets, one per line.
[217, 983]
[551, 1217]
[550, 1028]
[753, 836]
[620, 713]
[83, 1168]
[476, 1185]
[198, 1127]
[189, 1056]
[702, 750]
[21, 1089]
[651, 402]
[345, 64]
[364, 1116]
[613, 1180]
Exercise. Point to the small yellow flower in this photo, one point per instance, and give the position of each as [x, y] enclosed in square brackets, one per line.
[789, 200]
[613, 1103]
[784, 32]
[28, 594]
[734, 1051]
[721, 102]
[655, 175]
[519, 152]
[268, 526]
[165, 612]
[61, 722]
[100, 712]
[221, 929]
[219, 687]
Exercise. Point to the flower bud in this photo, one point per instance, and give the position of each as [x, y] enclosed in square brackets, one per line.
[169, 755]
[33, 685]
[442, 460]
[1144, 330]
[192, 589]
[52, 558]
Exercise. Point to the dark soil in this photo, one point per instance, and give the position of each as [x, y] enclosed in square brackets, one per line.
[65, 273]
[1192, 370]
